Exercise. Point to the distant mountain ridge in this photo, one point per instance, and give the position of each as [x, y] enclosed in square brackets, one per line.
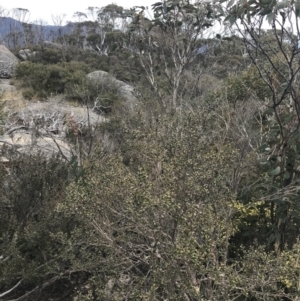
[14, 33]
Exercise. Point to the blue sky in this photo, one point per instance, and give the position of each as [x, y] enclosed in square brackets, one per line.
[44, 9]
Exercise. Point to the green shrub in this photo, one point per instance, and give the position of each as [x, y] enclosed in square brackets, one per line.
[24, 69]
[52, 56]
[28, 223]
[240, 88]
[47, 79]
[28, 93]
[88, 91]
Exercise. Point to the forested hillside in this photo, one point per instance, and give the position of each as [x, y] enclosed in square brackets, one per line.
[188, 186]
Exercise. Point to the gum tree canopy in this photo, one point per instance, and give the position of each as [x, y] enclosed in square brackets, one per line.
[170, 38]
[270, 30]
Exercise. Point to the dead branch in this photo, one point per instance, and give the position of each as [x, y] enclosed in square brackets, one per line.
[12, 289]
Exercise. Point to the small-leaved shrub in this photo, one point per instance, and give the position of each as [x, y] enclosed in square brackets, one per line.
[51, 79]
[28, 93]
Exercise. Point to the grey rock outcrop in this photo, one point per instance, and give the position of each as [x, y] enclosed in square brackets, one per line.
[42, 127]
[26, 142]
[8, 62]
[103, 78]
[27, 54]
[5, 87]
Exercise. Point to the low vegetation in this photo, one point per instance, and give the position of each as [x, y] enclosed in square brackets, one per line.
[190, 194]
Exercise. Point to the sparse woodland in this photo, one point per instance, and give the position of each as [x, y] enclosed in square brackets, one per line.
[193, 192]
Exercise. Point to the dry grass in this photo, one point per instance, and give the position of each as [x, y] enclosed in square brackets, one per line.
[13, 101]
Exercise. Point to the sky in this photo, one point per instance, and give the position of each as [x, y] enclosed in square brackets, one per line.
[44, 9]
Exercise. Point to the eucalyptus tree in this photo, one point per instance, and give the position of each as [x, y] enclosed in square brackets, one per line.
[166, 44]
[107, 20]
[58, 21]
[271, 33]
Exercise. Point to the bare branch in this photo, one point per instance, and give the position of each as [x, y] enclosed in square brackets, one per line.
[12, 289]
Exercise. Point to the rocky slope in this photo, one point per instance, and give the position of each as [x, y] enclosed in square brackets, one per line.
[8, 62]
